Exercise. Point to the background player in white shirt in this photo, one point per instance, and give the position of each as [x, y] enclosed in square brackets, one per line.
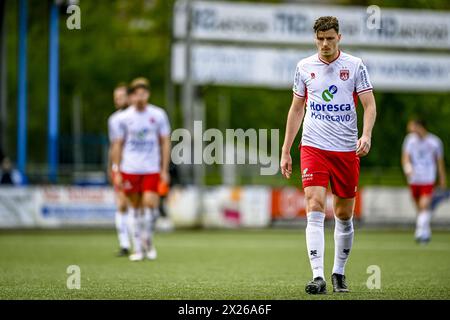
[140, 156]
[120, 96]
[422, 158]
[330, 83]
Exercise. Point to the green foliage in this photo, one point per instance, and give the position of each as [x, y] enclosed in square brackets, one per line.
[109, 48]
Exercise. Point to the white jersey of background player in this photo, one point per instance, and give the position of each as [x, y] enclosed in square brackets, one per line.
[113, 124]
[140, 131]
[141, 156]
[423, 153]
[422, 158]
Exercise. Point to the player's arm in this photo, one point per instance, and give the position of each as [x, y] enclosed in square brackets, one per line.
[406, 164]
[112, 136]
[294, 121]
[108, 168]
[370, 113]
[165, 157]
[116, 158]
[442, 173]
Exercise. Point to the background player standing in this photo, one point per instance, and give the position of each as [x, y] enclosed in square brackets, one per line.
[121, 102]
[422, 156]
[330, 149]
[140, 157]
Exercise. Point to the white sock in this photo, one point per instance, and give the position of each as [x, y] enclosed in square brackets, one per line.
[315, 242]
[122, 229]
[427, 224]
[423, 228]
[418, 232]
[343, 241]
[149, 219]
[134, 220]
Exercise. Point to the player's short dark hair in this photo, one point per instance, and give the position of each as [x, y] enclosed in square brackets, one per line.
[137, 83]
[326, 23]
[421, 122]
[121, 85]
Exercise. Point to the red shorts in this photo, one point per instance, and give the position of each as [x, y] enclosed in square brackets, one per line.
[138, 183]
[340, 169]
[421, 190]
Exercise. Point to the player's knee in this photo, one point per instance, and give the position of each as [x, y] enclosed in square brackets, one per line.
[135, 203]
[150, 204]
[315, 204]
[343, 213]
[122, 207]
[154, 203]
[151, 201]
[424, 203]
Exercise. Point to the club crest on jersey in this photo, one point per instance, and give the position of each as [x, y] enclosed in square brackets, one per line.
[313, 75]
[344, 74]
[142, 134]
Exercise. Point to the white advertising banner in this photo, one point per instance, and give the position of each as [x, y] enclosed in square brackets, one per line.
[222, 207]
[390, 205]
[58, 206]
[270, 67]
[75, 206]
[53, 207]
[228, 207]
[256, 206]
[17, 207]
[292, 24]
[182, 206]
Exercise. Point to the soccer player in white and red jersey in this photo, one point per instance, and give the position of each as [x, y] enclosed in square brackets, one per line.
[327, 85]
[422, 158]
[120, 95]
[140, 159]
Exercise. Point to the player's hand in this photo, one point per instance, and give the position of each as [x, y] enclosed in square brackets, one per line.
[118, 181]
[286, 165]
[363, 146]
[408, 170]
[165, 177]
[109, 175]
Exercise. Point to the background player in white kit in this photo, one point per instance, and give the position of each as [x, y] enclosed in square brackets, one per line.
[121, 102]
[422, 157]
[141, 155]
[330, 83]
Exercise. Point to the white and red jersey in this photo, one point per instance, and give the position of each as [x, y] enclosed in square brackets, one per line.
[113, 125]
[331, 90]
[140, 132]
[423, 154]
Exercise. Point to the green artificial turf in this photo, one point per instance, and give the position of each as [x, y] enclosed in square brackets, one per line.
[250, 264]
